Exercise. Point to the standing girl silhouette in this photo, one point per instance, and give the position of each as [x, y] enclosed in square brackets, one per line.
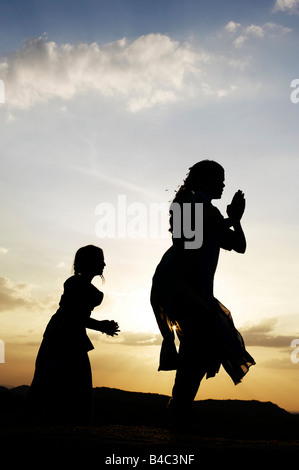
[61, 389]
[182, 294]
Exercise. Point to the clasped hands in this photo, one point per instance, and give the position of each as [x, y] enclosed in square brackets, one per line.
[236, 208]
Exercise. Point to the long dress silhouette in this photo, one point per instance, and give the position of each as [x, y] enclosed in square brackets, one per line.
[182, 294]
[61, 389]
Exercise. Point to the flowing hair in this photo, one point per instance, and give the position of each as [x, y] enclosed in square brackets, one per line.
[199, 176]
[84, 258]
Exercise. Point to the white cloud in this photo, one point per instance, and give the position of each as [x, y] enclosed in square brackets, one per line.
[291, 6]
[273, 29]
[149, 70]
[232, 27]
[261, 334]
[3, 250]
[239, 41]
[208, 90]
[131, 338]
[254, 32]
[14, 295]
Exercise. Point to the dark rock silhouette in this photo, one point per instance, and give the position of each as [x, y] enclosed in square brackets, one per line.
[132, 423]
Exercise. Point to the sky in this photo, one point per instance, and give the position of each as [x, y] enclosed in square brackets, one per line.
[104, 106]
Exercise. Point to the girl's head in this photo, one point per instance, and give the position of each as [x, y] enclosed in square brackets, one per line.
[89, 260]
[206, 176]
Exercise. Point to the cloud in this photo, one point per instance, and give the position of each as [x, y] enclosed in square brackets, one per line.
[291, 6]
[239, 41]
[150, 70]
[253, 31]
[261, 334]
[232, 27]
[219, 92]
[273, 30]
[14, 295]
[3, 250]
[131, 338]
[138, 74]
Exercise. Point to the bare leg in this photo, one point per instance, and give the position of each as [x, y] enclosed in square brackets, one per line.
[187, 381]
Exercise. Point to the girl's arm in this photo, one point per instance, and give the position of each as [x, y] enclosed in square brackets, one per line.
[239, 240]
[110, 327]
[235, 212]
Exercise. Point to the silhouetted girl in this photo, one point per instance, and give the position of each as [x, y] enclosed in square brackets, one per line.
[61, 390]
[182, 290]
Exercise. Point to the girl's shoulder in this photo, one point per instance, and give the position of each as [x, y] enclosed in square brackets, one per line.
[77, 285]
[77, 290]
[72, 281]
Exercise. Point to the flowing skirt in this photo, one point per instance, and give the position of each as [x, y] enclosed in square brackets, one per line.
[61, 389]
[205, 328]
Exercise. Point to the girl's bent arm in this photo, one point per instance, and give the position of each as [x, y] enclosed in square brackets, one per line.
[110, 327]
[239, 244]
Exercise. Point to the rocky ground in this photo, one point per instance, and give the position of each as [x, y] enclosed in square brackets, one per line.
[133, 429]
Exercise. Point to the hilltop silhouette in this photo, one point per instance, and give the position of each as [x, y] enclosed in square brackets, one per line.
[131, 423]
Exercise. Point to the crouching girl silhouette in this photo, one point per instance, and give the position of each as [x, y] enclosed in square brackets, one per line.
[61, 389]
[182, 292]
